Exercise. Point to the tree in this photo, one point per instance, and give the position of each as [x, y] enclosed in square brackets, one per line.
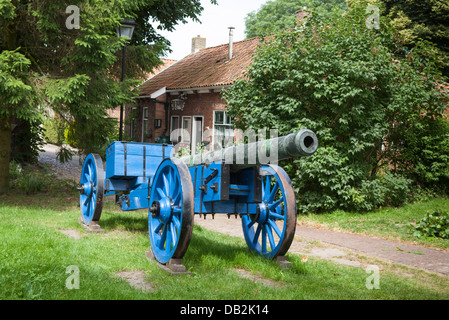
[350, 85]
[422, 19]
[279, 15]
[45, 61]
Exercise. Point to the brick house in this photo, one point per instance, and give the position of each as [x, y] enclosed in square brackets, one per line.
[186, 95]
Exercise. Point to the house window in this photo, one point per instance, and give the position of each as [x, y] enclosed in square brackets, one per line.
[144, 123]
[174, 126]
[223, 129]
[186, 130]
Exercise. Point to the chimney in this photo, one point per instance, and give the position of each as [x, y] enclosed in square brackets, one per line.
[198, 43]
[301, 15]
[231, 41]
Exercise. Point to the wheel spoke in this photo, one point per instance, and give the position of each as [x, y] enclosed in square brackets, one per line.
[273, 192]
[174, 234]
[264, 240]
[168, 242]
[177, 198]
[270, 236]
[161, 192]
[92, 207]
[177, 223]
[276, 216]
[256, 236]
[170, 176]
[275, 227]
[173, 191]
[159, 228]
[267, 187]
[163, 238]
[166, 185]
[275, 204]
[85, 203]
[250, 223]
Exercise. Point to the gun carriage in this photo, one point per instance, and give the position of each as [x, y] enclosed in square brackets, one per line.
[239, 180]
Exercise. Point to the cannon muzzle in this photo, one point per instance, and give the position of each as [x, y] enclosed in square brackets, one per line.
[301, 144]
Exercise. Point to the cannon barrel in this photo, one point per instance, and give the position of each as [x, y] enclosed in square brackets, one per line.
[300, 144]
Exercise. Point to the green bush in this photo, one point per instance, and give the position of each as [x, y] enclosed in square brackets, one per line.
[54, 131]
[360, 94]
[423, 154]
[69, 135]
[31, 182]
[434, 224]
[64, 154]
[396, 189]
[15, 169]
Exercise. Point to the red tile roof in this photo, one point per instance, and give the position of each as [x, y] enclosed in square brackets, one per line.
[165, 64]
[208, 67]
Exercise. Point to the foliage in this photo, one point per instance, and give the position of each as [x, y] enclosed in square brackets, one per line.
[30, 182]
[17, 95]
[27, 140]
[31, 179]
[15, 169]
[69, 135]
[434, 224]
[426, 146]
[348, 84]
[280, 15]
[54, 131]
[396, 189]
[64, 154]
[422, 19]
[76, 71]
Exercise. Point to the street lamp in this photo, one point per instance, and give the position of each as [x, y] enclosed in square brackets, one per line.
[126, 31]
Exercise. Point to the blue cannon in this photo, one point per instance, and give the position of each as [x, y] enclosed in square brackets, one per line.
[239, 180]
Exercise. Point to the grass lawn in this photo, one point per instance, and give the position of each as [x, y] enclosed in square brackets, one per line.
[388, 223]
[35, 256]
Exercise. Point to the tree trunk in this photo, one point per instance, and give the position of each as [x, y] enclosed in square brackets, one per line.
[5, 152]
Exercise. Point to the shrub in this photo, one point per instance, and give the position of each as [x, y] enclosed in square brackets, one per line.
[64, 154]
[396, 189]
[54, 131]
[423, 154]
[69, 135]
[358, 91]
[15, 170]
[31, 182]
[434, 224]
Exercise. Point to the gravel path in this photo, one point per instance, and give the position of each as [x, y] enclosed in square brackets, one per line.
[68, 170]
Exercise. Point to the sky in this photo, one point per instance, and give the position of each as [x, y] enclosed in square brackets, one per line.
[214, 27]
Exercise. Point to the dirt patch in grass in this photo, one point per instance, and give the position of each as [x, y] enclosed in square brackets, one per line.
[74, 234]
[136, 279]
[256, 278]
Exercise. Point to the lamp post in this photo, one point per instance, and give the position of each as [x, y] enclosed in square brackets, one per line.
[126, 31]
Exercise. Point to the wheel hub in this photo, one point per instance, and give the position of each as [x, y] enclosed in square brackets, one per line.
[86, 188]
[162, 210]
[263, 213]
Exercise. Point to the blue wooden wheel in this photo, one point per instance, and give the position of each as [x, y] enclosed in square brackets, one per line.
[170, 218]
[91, 189]
[271, 231]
